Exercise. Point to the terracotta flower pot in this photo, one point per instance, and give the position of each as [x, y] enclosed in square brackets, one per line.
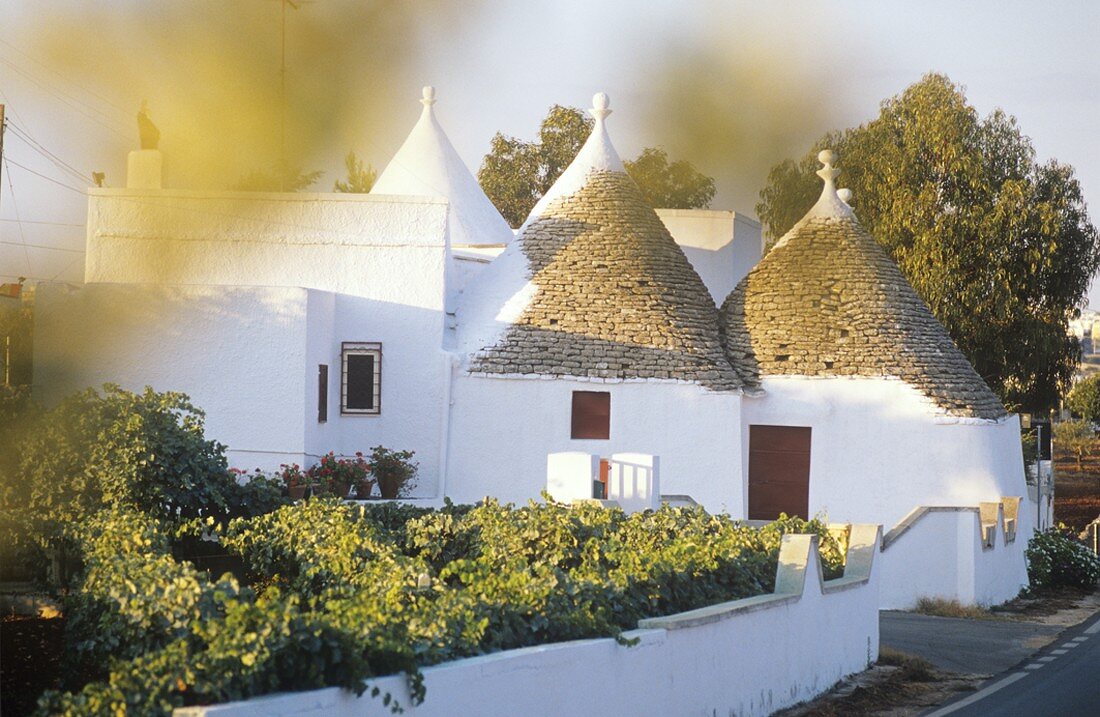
[388, 486]
[297, 492]
[363, 489]
[340, 489]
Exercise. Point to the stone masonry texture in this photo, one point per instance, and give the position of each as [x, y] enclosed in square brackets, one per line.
[616, 298]
[829, 301]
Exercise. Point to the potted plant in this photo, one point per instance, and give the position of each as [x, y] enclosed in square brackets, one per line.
[337, 475]
[393, 470]
[297, 482]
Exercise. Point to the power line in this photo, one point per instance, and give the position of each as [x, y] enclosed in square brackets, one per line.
[43, 176]
[53, 158]
[39, 221]
[15, 206]
[42, 246]
[46, 67]
[67, 99]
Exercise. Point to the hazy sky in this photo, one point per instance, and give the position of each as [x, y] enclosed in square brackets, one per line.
[733, 87]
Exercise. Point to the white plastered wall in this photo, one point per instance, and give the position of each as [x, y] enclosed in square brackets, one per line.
[503, 428]
[236, 351]
[722, 246]
[878, 449]
[380, 262]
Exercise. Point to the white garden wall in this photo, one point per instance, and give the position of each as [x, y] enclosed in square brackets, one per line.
[502, 429]
[748, 657]
[939, 552]
[879, 449]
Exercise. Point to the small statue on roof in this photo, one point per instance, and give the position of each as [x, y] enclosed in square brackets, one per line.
[148, 131]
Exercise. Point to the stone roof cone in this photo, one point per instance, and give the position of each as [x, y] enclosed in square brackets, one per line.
[828, 300]
[595, 287]
[427, 165]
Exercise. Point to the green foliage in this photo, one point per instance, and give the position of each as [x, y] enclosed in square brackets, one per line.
[394, 470]
[281, 177]
[1000, 247]
[331, 472]
[515, 174]
[1055, 559]
[345, 592]
[672, 186]
[360, 178]
[145, 452]
[1084, 399]
[1076, 437]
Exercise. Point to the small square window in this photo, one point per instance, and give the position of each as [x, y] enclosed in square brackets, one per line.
[591, 415]
[360, 378]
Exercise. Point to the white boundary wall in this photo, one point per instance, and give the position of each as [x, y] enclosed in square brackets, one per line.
[955, 553]
[747, 657]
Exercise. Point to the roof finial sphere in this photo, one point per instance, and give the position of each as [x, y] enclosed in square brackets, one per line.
[427, 96]
[601, 106]
[826, 156]
[845, 195]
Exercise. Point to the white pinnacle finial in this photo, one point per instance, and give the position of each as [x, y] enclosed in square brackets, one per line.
[601, 106]
[427, 96]
[829, 173]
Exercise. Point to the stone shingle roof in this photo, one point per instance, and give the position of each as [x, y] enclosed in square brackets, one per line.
[614, 298]
[828, 301]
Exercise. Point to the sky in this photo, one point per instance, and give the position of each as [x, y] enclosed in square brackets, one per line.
[733, 87]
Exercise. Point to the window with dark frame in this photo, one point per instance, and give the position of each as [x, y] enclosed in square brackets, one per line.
[591, 415]
[360, 378]
[322, 393]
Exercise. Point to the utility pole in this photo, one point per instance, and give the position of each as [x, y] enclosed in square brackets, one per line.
[3, 126]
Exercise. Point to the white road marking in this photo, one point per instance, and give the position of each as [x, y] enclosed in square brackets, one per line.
[1071, 644]
[1059, 652]
[981, 694]
[1048, 658]
[1033, 666]
[1080, 638]
[1093, 628]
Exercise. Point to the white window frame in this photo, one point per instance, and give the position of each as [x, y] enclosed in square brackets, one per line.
[360, 348]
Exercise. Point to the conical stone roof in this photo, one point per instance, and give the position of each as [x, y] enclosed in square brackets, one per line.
[827, 300]
[608, 294]
[428, 165]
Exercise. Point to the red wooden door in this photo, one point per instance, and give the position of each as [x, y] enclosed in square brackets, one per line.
[779, 471]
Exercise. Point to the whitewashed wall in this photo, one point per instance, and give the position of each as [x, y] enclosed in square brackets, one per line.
[749, 657]
[722, 246]
[878, 450]
[386, 248]
[236, 351]
[503, 428]
[381, 264]
[937, 552]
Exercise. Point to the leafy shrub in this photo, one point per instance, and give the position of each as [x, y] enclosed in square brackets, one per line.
[344, 592]
[1055, 559]
[394, 470]
[144, 452]
[1084, 399]
[1076, 437]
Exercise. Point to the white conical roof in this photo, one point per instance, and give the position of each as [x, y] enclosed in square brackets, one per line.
[428, 165]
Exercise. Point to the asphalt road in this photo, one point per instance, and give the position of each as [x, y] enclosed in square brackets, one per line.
[1061, 679]
[982, 647]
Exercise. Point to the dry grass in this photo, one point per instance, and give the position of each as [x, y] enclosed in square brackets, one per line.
[939, 607]
[910, 667]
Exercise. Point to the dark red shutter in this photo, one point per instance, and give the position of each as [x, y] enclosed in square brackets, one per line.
[591, 414]
[322, 393]
[779, 471]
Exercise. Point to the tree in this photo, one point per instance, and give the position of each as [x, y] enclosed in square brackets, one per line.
[1076, 437]
[999, 246]
[280, 178]
[674, 186]
[1084, 399]
[515, 174]
[360, 178]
